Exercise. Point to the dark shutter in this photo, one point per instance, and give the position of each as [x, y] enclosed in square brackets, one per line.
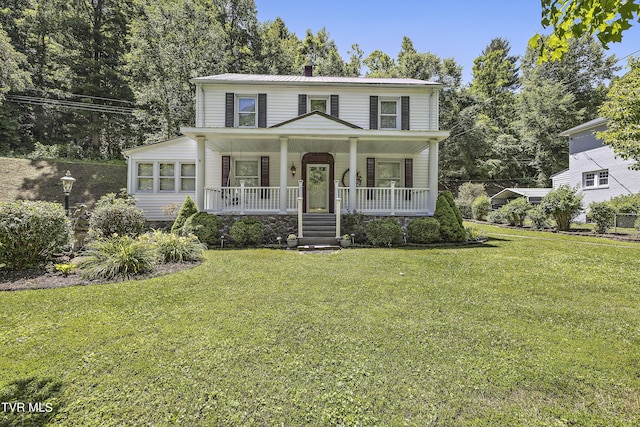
[408, 177]
[226, 169]
[264, 175]
[371, 175]
[262, 110]
[335, 112]
[373, 112]
[404, 112]
[229, 110]
[302, 104]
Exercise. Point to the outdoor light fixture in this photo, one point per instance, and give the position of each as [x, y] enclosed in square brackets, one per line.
[293, 169]
[67, 185]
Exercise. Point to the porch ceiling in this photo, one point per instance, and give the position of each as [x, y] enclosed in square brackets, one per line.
[368, 141]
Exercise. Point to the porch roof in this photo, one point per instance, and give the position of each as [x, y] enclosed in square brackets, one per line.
[321, 140]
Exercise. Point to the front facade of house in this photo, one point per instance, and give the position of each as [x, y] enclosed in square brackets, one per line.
[594, 168]
[289, 144]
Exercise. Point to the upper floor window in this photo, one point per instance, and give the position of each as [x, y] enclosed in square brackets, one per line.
[318, 104]
[596, 179]
[388, 114]
[247, 107]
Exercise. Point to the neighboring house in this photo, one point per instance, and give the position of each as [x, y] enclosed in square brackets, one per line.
[533, 196]
[594, 167]
[265, 144]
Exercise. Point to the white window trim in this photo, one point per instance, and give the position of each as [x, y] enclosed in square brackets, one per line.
[397, 161]
[397, 115]
[177, 176]
[245, 159]
[255, 113]
[318, 98]
[596, 180]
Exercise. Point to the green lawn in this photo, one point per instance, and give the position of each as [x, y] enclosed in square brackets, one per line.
[529, 329]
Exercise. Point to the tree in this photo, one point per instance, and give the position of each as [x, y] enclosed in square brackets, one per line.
[320, 51]
[575, 18]
[12, 75]
[563, 204]
[240, 35]
[278, 49]
[622, 111]
[172, 42]
[380, 64]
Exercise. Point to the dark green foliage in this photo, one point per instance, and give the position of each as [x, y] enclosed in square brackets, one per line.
[247, 231]
[204, 226]
[481, 207]
[187, 209]
[174, 248]
[626, 204]
[601, 213]
[424, 230]
[384, 232]
[352, 223]
[118, 257]
[116, 215]
[563, 204]
[31, 233]
[450, 219]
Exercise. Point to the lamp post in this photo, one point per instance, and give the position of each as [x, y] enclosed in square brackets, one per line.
[67, 185]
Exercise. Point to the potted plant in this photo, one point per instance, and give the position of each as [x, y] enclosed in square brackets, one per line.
[345, 241]
[292, 240]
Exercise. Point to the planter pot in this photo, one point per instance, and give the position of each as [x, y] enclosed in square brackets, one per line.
[292, 243]
[345, 243]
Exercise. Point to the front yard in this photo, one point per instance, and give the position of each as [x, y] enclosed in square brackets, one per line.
[530, 329]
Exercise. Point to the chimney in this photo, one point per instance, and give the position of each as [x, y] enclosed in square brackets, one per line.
[308, 70]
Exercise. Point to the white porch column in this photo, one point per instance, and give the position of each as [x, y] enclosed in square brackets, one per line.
[200, 168]
[284, 155]
[353, 172]
[433, 177]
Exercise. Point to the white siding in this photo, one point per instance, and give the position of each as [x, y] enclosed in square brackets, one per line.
[560, 179]
[282, 103]
[155, 204]
[622, 181]
[421, 170]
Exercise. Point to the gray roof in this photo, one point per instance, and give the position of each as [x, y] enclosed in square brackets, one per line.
[320, 80]
[585, 126]
[525, 192]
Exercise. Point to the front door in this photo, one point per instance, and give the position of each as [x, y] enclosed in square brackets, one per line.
[317, 188]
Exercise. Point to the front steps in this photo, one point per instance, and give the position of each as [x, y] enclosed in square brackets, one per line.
[319, 230]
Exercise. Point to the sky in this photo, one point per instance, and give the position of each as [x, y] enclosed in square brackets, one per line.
[458, 29]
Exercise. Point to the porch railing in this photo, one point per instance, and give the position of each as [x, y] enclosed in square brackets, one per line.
[387, 200]
[369, 200]
[248, 199]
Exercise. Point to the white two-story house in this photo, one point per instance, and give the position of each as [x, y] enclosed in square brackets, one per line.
[266, 144]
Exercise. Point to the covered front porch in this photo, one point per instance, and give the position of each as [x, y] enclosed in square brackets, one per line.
[318, 165]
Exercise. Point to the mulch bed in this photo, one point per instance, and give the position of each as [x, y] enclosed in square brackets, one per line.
[43, 279]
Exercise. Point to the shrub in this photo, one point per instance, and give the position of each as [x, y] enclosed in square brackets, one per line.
[424, 230]
[467, 194]
[204, 226]
[628, 204]
[247, 231]
[516, 211]
[384, 232]
[118, 257]
[31, 232]
[475, 235]
[353, 223]
[602, 215]
[538, 218]
[451, 229]
[174, 248]
[563, 204]
[187, 209]
[121, 218]
[498, 216]
[481, 207]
